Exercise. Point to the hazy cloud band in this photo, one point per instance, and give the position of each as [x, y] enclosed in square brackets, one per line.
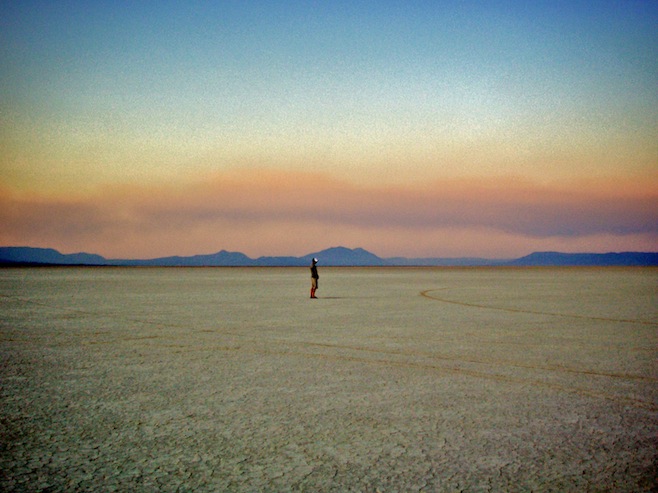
[295, 201]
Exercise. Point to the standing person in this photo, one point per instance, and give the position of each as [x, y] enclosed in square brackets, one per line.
[314, 277]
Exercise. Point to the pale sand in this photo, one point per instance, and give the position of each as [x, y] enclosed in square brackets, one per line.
[394, 380]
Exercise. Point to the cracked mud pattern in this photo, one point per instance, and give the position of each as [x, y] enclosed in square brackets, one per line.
[398, 380]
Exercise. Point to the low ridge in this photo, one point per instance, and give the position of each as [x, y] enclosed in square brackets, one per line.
[334, 256]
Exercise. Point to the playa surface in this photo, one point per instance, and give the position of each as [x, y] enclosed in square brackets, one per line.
[230, 379]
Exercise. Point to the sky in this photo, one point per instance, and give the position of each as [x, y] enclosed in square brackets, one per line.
[409, 128]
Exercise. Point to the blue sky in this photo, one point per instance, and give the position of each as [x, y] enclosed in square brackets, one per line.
[100, 95]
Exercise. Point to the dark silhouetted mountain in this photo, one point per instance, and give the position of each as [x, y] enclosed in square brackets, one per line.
[587, 259]
[332, 256]
[341, 256]
[336, 256]
[47, 256]
[219, 259]
[279, 262]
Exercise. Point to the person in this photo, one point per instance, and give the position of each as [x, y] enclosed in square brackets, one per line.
[314, 277]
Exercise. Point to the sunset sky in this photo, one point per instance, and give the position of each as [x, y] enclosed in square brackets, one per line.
[412, 128]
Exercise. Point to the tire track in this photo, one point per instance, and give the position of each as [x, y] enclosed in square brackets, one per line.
[491, 362]
[251, 347]
[620, 399]
[532, 312]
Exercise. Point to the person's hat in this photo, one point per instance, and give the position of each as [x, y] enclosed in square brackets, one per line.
[315, 260]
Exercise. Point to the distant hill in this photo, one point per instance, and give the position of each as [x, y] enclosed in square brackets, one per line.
[344, 256]
[335, 256]
[587, 259]
[219, 259]
[47, 256]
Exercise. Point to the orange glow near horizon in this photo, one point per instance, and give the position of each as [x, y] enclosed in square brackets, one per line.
[270, 212]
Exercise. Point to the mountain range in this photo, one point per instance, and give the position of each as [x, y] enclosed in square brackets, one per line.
[336, 256]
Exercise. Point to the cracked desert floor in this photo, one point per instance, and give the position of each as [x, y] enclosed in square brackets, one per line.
[394, 380]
